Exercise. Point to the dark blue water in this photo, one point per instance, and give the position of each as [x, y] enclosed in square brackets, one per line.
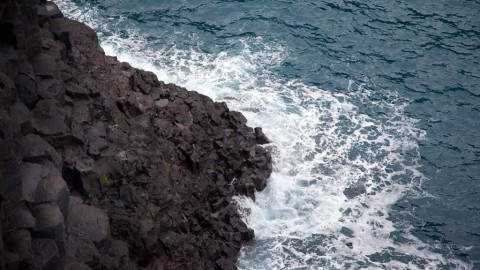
[373, 107]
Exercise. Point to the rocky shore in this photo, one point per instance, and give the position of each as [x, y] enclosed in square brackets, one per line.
[105, 167]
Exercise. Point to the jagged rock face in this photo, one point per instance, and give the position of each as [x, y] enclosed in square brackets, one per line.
[105, 167]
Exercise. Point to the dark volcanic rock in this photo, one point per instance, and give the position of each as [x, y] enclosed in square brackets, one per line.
[49, 223]
[72, 265]
[34, 149]
[52, 188]
[27, 89]
[45, 253]
[102, 166]
[49, 117]
[88, 222]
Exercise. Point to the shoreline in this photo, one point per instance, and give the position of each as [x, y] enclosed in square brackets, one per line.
[144, 165]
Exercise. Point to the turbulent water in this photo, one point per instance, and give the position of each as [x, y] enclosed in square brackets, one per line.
[373, 108]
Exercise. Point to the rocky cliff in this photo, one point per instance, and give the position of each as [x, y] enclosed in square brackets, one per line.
[102, 166]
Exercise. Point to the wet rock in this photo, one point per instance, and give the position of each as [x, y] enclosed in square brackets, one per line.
[259, 183]
[89, 222]
[260, 136]
[354, 190]
[237, 119]
[347, 232]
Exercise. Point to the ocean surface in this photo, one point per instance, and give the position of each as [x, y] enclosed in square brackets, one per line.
[373, 108]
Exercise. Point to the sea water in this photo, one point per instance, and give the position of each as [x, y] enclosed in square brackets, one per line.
[372, 107]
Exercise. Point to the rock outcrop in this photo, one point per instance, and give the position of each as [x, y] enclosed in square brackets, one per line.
[102, 166]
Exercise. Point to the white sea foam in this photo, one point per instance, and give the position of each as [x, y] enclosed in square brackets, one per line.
[325, 144]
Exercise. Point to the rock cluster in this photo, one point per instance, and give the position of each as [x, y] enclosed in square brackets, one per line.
[102, 166]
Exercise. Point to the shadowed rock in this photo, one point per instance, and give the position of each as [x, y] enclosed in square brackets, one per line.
[72, 265]
[82, 250]
[27, 89]
[45, 253]
[32, 174]
[52, 188]
[34, 149]
[88, 222]
[49, 117]
[45, 66]
[50, 224]
[51, 89]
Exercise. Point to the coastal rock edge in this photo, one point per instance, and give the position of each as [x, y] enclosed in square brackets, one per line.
[103, 166]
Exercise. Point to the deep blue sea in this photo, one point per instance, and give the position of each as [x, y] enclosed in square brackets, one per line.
[373, 108]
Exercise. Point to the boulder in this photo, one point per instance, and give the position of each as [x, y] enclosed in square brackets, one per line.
[20, 241]
[76, 91]
[82, 250]
[9, 58]
[115, 254]
[44, 65]
[22, 218]
[89, 222]
[34, 149]
[8, 91]
[45, 253]
[161, 103]
[52, 188]
[49, 118]
[260, 136]
[27, 89]
[95, 138]
[59, 27]
[50, 223]
[51, 89]
[22, 116]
